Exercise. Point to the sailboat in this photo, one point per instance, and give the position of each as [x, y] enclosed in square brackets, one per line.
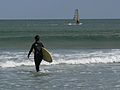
[76, 18]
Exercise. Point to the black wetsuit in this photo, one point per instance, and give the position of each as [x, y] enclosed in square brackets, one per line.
[38, 56]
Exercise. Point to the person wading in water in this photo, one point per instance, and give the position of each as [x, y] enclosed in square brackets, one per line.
[37, 49]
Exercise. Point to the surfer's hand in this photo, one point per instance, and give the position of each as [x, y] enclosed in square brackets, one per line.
[28, 56]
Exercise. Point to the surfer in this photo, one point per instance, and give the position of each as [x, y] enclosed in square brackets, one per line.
[37, 49]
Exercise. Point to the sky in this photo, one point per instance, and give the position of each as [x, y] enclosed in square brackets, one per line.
[59, 9]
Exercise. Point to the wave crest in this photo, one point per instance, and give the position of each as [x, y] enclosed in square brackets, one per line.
[15, 59]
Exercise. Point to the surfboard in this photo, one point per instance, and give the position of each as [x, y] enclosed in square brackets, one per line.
[46, 55]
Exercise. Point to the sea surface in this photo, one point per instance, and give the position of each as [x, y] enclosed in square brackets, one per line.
[85, 56]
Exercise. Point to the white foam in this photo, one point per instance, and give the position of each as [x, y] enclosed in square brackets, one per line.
[85, 57]
[15, 64]
[15, 59]
[71, 24]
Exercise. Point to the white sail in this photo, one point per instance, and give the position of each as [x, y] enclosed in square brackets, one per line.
[77, 16]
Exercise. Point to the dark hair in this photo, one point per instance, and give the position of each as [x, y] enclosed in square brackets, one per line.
[37, 37]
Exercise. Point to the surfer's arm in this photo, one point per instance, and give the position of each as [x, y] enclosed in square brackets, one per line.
[30, 51]
[42, 45]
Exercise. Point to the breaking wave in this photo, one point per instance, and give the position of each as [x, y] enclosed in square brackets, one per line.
[86, 56]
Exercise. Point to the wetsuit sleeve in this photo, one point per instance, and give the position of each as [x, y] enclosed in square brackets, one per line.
[30, 50]
[42, 45]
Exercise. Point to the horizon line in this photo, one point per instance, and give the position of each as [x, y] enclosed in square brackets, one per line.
[50, 18]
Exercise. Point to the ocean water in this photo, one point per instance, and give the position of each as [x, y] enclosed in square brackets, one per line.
[85, 57]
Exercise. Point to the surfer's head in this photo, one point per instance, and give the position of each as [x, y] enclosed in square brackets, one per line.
[37, 37]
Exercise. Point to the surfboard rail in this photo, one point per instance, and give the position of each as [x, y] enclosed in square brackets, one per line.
[46, 55]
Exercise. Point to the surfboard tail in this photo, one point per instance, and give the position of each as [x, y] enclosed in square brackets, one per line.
[46, 55]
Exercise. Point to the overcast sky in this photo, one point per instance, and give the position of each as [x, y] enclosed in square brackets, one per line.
[59, 9]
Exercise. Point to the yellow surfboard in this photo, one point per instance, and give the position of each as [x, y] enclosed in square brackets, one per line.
[46, 55]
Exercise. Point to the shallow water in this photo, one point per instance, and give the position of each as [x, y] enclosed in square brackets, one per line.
[62, 77]
[85, 57]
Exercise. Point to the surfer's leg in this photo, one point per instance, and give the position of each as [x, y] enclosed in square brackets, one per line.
[37, 63]
[37, 60]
